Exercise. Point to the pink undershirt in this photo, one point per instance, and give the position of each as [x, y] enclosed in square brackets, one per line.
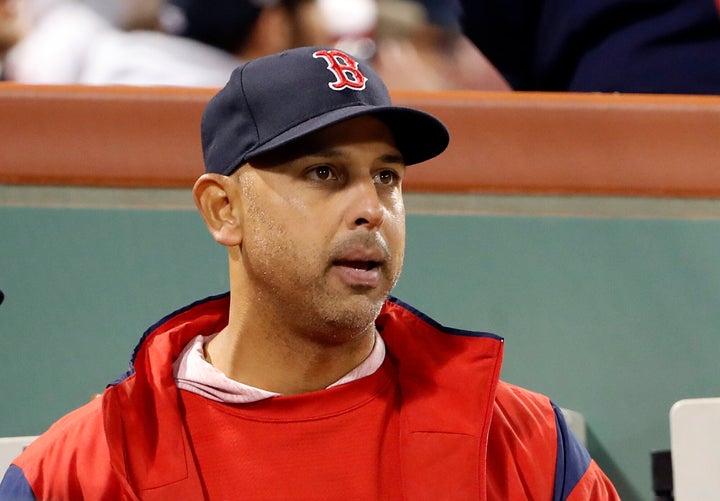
[195, 374]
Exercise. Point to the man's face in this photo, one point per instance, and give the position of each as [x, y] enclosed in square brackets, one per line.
[323, 231]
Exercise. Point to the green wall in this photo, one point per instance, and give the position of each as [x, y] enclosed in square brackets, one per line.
[616, 318]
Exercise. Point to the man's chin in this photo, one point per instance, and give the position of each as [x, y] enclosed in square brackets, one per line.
[368, 300]
[351, 315]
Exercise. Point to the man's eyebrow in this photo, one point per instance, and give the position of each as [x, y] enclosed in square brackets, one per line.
[390, 158]
[325, 152]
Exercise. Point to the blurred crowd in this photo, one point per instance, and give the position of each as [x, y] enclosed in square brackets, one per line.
[668, 46]
[413, 44]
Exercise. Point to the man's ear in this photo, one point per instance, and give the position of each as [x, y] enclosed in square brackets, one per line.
[218, 199]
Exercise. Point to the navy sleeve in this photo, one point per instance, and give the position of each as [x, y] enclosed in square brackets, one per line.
[572, 459]
[15, 487]
[646, 46]
[505, 32]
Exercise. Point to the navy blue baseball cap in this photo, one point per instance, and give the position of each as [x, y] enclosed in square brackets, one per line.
[272, 101]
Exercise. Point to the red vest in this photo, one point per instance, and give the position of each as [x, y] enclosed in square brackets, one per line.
[433, 423]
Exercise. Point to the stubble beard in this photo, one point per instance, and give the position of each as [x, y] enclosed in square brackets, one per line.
[316, 310]
[315, 307]
[310, 304]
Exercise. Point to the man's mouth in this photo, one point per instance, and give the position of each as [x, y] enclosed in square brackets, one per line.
[361, 263]
[357, 265]
[363, 272]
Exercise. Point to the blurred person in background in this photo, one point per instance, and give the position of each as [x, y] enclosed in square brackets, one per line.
[414, 44]
[645, 46]
[129, 14]
[420, 46]
[10, 31]
[182, 43]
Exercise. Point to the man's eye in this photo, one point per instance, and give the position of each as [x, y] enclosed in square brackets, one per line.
[387, 177]
[322, 173]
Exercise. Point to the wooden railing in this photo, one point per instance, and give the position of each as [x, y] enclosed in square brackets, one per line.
[501, 142]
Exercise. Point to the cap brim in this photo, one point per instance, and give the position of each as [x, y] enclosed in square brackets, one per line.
[418, 135]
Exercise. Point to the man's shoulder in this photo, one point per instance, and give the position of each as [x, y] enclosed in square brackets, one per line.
[70, 455]
[526, 415]
[522, 444]
[531, 401]
[71, 430]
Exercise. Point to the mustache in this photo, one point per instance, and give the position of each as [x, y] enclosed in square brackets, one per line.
[371, 244]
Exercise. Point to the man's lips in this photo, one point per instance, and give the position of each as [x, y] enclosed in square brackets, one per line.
[357, 264]
[360, 267]
[361, 258]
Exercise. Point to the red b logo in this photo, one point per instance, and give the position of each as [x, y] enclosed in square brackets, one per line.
[345, 69]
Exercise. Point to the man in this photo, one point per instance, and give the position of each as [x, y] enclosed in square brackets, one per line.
[306, 381]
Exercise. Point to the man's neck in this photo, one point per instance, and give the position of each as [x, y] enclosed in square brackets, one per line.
[285, 363]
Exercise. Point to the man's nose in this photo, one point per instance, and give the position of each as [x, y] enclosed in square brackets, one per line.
[365, 208]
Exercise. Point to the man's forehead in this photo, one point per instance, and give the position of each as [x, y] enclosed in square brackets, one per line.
[335, 141]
